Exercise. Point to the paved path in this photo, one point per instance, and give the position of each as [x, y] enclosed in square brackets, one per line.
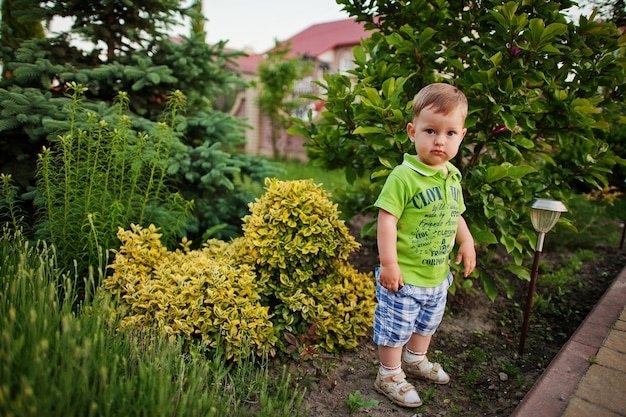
[587, 378]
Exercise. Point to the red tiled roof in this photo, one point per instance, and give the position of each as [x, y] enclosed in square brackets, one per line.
[319, 38]
[249, 64]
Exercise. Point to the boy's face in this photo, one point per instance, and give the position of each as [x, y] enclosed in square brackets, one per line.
[437, 136]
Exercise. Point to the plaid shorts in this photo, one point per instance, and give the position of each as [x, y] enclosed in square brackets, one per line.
[410, 310]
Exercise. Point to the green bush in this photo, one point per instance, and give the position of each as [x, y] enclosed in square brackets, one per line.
[543, 92]
[294, 228]
[101, 175]
[205, 163]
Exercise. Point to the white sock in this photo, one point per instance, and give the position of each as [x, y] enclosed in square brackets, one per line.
[386, 370]
[412, 357]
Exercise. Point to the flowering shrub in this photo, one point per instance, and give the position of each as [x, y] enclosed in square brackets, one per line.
[545, 98]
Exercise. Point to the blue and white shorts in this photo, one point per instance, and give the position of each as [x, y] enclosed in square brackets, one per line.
[410, 310]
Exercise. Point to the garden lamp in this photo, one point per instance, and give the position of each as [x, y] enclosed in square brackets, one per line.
[544, 214]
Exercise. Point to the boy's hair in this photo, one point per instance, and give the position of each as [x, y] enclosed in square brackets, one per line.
[443, 97]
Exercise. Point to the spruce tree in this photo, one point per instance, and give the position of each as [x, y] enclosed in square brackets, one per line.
[133, 53]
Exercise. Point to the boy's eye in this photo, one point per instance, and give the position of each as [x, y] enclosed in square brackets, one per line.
[430, 131]
[451, 133]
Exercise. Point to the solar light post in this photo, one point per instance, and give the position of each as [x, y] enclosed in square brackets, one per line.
[544, 214]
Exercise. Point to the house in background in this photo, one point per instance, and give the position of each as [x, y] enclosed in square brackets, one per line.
[329, 47]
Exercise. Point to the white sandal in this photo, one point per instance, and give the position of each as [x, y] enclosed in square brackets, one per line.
[396, 388]
[429, 371]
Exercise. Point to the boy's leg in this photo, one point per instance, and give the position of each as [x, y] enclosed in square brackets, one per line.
[419, 343]
[391, 380]
[389, 356]
[414, 360]
[393, 326]
[416, 364]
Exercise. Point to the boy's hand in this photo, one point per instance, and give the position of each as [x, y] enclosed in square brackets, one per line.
[390, 277]
[467, 254]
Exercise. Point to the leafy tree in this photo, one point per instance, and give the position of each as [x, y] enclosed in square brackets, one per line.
[278, 75]
[615, 11]
[542, 92]
[140, 59]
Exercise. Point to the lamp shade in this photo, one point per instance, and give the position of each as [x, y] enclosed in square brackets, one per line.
[545, 213]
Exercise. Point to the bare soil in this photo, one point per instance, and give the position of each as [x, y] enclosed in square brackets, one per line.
[477, 343]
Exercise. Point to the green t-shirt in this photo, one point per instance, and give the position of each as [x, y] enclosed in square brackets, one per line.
[427, 205]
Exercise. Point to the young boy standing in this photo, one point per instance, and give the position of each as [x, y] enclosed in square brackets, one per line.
[419, 220]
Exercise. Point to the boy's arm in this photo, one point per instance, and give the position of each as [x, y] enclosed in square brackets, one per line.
[467, 251]
[387, 235]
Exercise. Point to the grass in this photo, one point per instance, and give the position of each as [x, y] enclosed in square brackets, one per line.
[292, 169]
[61, 357]
[597, 221]
[297, 170]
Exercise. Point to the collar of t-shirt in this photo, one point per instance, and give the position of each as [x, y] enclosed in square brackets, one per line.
[421, 168]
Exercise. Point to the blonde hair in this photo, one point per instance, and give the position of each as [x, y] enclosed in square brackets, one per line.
[443, 97]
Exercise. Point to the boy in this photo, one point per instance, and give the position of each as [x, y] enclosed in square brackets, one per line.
[419, 220]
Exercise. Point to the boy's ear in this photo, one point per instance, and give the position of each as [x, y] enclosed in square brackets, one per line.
[464, 132]
[410, 129]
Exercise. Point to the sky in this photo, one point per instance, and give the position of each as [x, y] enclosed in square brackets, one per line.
[257, 23]
[252, 24]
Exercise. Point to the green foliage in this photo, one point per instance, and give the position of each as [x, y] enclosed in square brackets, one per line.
[567, 274]
[116, 25]
[597, 214]
[10, 211]
[299, 248]
[58, 359]
[16, 25]
[147, 65]
[95, 179]
[542, 92]
[355, 402]
[294, 226]
[287, 275]
[213, 178]
[557, 283]
[310, 364]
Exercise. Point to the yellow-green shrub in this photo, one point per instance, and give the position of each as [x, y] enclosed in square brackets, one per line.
[295, 226]
[299, 247]
[345, 304]
[290, 267]
[188, 293]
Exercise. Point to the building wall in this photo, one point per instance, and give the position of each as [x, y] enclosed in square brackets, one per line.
[259, 137]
